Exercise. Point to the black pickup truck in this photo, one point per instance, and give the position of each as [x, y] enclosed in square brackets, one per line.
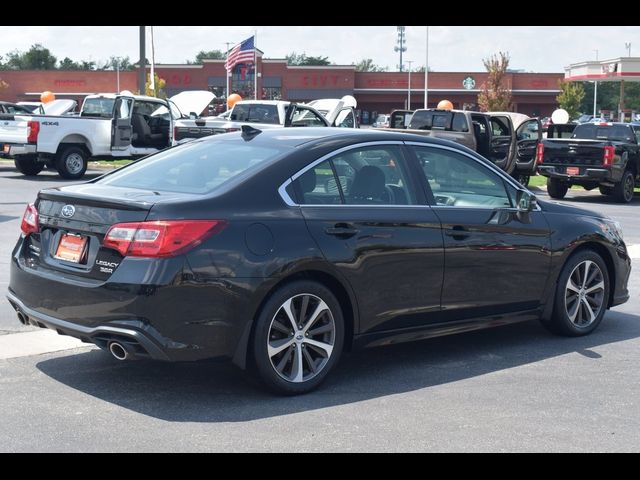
[603, 155]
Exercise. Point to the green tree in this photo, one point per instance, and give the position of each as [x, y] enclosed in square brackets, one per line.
[67, 64]
[36, 58]
[302, 59]
[495, 96]
[609, 96]
[570, 98]
[115, 63]
[367, 65]
[160, 83]
[209, 55]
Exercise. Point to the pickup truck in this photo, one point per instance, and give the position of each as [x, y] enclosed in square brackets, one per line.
[602, 155]
[507, 139]
[263, 114]
[110, 126]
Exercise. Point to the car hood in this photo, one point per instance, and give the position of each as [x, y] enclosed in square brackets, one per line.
[192, 101]
[554, 207]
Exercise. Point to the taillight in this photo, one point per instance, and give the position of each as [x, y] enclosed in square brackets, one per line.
[30, 222]
[33, 128]
[607, 157]
[160, 239]
[539, 153]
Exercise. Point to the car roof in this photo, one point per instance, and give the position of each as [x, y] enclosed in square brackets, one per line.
[311, 136]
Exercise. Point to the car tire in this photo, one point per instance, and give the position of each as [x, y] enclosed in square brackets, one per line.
[624, 190]
[580, 303]
[605, 190]
[556, 189]
[310, 352]
[28, 165]
[72, 162]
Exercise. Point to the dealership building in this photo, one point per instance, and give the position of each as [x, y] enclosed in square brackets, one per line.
[533, 94]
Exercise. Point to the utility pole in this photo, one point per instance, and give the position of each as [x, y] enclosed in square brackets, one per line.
[142, 70]
[401, 44]
[426, 74]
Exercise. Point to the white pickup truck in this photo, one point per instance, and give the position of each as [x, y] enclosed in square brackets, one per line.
[110, 126]
[261, 114]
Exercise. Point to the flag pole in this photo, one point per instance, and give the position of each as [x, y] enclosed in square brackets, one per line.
[226, 72]
[255, 64]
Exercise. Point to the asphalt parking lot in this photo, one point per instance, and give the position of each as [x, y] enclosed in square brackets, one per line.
[514, 388]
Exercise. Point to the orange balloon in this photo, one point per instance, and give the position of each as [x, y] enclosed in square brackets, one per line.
[445, 105]
[46, 97]
[233, 99]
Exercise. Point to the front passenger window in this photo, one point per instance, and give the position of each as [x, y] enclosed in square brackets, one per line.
[456, 180]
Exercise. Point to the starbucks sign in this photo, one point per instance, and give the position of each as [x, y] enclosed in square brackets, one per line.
[469, 83]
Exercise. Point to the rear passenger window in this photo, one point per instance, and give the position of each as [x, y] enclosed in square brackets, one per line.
[318, 186]
[459, 123]
[365, 176]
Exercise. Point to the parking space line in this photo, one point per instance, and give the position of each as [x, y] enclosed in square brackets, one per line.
[25, 344]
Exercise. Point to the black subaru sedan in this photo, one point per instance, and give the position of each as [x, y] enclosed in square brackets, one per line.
[279, 249]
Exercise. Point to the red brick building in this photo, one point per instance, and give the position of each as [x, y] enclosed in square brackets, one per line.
[533, 93]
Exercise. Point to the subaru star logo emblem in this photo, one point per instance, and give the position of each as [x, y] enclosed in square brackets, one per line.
[68, 211]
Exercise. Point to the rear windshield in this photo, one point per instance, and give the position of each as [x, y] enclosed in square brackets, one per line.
[198, 167]
[98, 107]
[255, 113]
[620, 133]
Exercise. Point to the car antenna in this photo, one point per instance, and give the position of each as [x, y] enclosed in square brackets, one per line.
[249, 132]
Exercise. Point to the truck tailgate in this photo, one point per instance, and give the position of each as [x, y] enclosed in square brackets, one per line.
[13, 129]
[574, 152]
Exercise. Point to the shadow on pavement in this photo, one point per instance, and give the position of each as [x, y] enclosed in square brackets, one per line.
[210, 391]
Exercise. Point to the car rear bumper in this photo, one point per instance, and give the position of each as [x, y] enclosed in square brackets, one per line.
[142, 343]
[586, 174]
[21, 149]
[145, 303]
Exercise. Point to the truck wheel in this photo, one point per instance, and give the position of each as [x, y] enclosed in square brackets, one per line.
[623, 191]
[605, 190]
[556, 188]
[72, 162]
[523, 179]
[28, 165]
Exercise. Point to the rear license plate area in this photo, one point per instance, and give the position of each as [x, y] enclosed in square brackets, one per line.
[72, 248]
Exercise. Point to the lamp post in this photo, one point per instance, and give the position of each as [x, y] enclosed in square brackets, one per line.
[595, 91]
[627, 45]
[409, 88]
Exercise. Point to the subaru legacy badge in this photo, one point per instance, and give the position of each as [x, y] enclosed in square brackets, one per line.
[68, 211]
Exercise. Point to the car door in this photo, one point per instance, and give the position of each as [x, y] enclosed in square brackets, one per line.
[303, 116]
[497, 259]
[121, 129]
[363, 210]
[502, 142]
[528, 135]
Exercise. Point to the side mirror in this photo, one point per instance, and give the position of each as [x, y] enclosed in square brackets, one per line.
[527, 201]
[192, 115]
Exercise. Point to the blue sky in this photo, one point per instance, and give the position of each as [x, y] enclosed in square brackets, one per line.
[451, 48]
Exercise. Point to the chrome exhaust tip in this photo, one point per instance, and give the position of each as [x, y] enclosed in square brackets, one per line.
[118, 351]
[22, 318]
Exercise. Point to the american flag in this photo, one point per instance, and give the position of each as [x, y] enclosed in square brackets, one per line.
[241, 53]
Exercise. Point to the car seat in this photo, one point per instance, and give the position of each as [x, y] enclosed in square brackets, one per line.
[369, 187]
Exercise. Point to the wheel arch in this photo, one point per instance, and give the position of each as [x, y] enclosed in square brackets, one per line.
[608, 260]
[75, 140]
[342, 292]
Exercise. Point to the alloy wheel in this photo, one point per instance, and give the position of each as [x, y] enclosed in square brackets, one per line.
[301, 337]
[584, 294]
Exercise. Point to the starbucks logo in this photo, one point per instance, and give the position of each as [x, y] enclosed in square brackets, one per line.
[469, 83]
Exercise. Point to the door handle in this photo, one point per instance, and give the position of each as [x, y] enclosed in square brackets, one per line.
[342, 230]
[458, 232]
